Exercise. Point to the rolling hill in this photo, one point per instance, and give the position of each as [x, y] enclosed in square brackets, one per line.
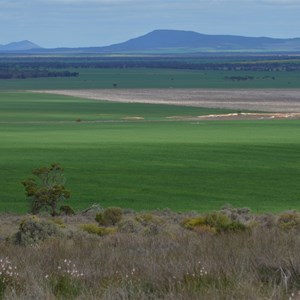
[19, 46]
[174, 41]
[189, 41]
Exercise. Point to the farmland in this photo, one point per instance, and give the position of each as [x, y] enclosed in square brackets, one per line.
[225, 180]
[90, 78]
[149, 163]
[145, 155]
[94, 72]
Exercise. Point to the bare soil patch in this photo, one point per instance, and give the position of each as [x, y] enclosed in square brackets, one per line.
[265, 100]
[239, 116]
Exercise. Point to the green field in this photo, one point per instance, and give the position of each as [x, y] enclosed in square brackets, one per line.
[146, 165]
[156, 78]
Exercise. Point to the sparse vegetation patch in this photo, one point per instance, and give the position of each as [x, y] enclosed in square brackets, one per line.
[188, 256]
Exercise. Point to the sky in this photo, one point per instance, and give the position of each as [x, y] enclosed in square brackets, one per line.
[80, 23]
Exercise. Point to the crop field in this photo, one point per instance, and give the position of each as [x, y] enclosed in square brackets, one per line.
[133, 156]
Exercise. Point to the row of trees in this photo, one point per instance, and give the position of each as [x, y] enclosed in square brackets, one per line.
[33, 73]
[251, 63]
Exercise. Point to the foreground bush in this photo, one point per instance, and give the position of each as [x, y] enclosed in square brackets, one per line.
[101, 231]
[33, 230]
[215, 222]
[110, 217]
[289, 220]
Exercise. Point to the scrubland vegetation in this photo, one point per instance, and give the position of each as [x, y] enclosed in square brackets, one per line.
[228, 254]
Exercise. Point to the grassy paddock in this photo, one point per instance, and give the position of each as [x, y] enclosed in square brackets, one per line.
[181, 165]
[31, 107]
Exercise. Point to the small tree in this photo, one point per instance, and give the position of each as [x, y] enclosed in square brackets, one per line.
[47, 189]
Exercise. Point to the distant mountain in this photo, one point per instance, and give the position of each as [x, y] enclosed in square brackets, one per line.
[176, 42]
[19, 46]
[189, 41]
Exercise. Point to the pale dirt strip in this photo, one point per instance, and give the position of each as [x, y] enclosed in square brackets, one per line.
[240, 116]
[266, 100]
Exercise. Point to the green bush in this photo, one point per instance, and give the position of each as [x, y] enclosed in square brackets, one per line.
[213, 222]
[193, 223]
[33, 230]
[223, 223]
[95, 229]
[110, 217]
[218, 221]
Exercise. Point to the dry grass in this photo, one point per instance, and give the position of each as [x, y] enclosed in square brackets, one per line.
[172, 262]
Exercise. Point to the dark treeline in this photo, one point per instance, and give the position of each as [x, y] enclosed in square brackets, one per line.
[21, 73]
[241, 78]
[226, 63]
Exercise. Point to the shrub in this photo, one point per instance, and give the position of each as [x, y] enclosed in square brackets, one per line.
[266, 220]
[213, 222]
[130, 225]
[144, 218]
[193, 222]
[95, 229]
[58, 221]
[152, 224]
[67, 210]
[289, 220]
[199, 225]
[33, 230]
[236, 226]
[110, 217]
[223, 223]
[237, 214]
[147, 219]
[205, 229]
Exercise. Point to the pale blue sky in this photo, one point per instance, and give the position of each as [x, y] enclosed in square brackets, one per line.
[72, 23]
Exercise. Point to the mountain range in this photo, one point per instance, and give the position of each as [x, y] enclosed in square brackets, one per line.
[19, 46]
[173, 41]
